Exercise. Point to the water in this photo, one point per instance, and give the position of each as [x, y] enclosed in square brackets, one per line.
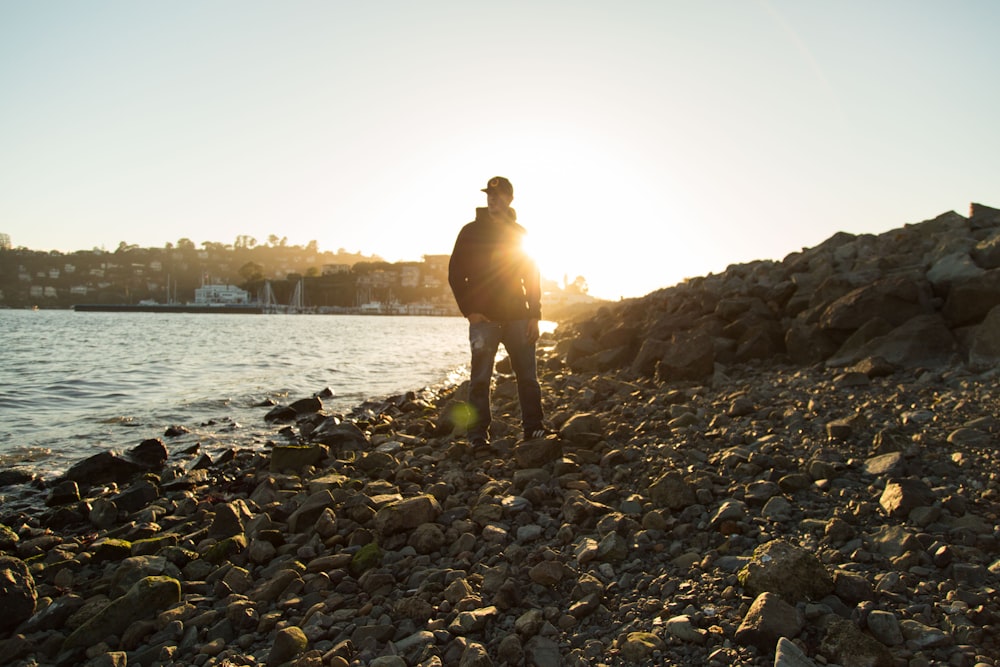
[75, 384]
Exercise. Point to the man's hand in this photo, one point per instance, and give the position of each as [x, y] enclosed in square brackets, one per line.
[476, 318]
[532, 331]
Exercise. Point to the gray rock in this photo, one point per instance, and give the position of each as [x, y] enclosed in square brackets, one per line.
[309, 512]
[147, 597]
[901, 496]
[884, 626]
[788, 654]
[288, 643]
[406, 514]
[769, 618]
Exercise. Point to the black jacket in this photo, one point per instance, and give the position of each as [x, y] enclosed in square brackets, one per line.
[490, 273]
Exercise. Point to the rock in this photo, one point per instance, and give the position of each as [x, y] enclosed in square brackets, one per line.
[104, 467]
[924, 340]
[953, 268]
[288, 643]
[923, 636]
[847, 645]
[15, 476]
[884, 465]
[63, 493]
[672, 491]
[984, 353]
[884, 626]
[542, 652]
[788, 654]
[768, 619]
[341, 436]
[536, 453]
[902, 495]
[852, 587]
[640, 647]
[406, 514]
[896, 300]
[367, 557]
[683, 629]
[151, 454]
[791, 572]
[475, 655]
[688, 356]
[296, 457]
[147, 597]
[970, 299]
[583, 430]
[18, 596]
[309, 512]
[986, 253]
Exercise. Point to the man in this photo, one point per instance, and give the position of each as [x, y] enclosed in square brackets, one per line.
[497, 288]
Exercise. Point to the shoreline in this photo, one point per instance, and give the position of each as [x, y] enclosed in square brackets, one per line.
[566, 534]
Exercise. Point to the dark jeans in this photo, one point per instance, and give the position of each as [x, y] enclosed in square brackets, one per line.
[485, 339]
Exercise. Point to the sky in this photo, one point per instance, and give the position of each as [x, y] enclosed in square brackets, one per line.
[647, 141]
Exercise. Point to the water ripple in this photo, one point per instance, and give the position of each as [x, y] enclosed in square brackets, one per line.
[74, 384]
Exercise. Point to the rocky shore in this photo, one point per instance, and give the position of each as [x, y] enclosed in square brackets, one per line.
[790, 463]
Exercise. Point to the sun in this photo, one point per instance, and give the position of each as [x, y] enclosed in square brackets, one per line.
[544, 255]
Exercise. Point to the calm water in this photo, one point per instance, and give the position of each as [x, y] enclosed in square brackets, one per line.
[74, 384]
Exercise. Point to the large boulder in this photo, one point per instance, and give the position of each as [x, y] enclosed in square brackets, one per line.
[110, 466]
[896, 300]
[984, 352]
[953, 268]
[688, 356]
[924, 341]
[970, 299]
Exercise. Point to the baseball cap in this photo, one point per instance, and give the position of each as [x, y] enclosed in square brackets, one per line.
[499, 184]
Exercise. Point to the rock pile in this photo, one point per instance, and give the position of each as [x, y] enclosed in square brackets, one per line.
[791, 463]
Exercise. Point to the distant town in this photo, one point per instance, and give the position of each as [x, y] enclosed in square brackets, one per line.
[274, 275]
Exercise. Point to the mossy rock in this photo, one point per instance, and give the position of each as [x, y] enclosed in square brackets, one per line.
[366, 558]
[786, 570]
[152, 545]
[111, 549]
[8, 538]
[225, 549]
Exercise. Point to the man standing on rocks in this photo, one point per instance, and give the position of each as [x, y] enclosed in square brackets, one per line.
[496, 285]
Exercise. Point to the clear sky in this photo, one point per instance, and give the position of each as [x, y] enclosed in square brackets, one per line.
[646, 141]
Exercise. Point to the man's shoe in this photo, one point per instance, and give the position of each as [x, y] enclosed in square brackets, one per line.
[479, 444]
[536, 433]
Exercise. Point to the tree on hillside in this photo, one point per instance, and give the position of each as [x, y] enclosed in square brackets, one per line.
[251, 271]
[578, 286]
